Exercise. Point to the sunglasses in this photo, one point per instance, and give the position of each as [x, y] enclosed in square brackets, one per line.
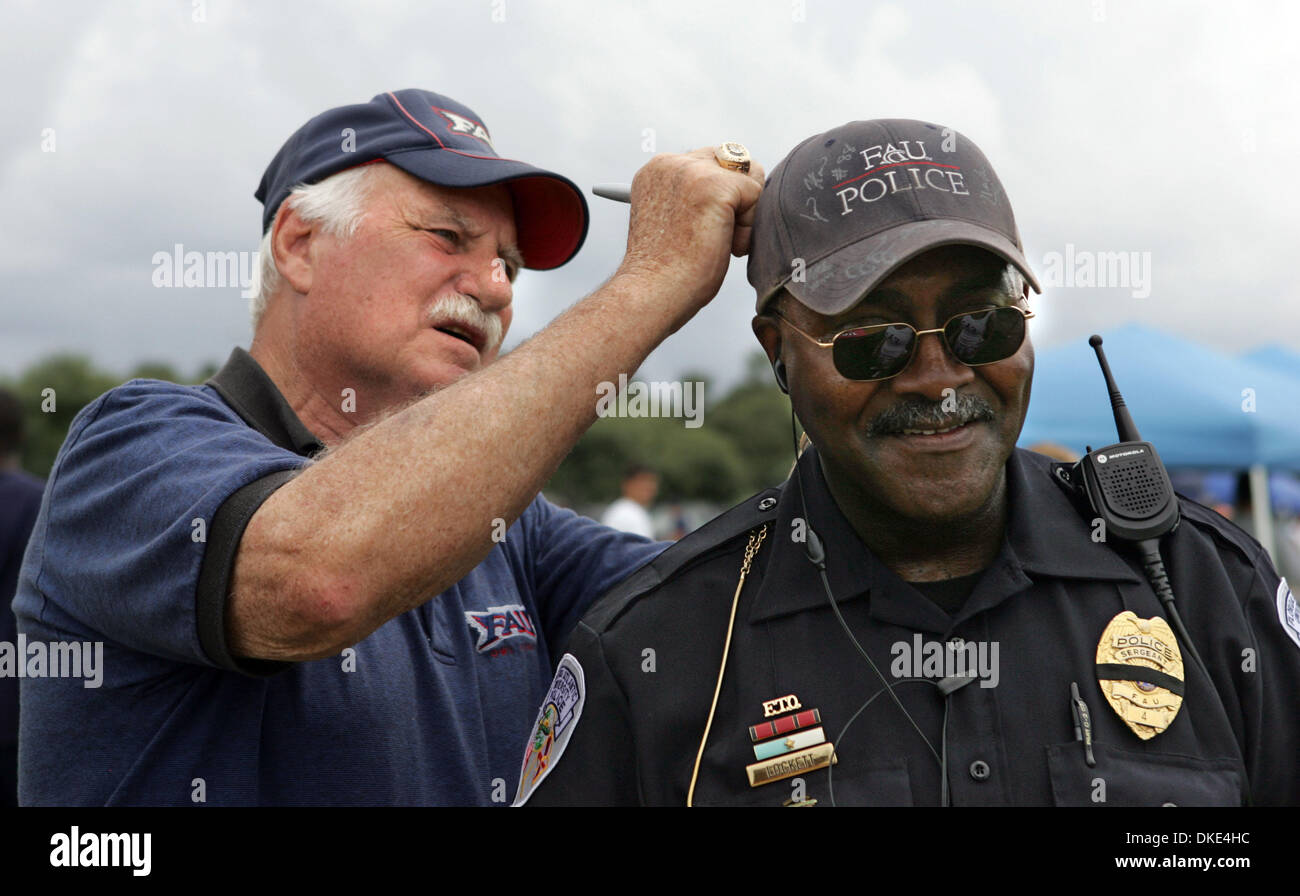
[881, 351]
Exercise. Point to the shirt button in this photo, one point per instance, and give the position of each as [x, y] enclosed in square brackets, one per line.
[979, 770]
[767, 504]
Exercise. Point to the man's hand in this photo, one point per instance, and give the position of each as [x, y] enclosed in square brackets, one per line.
[687, 213]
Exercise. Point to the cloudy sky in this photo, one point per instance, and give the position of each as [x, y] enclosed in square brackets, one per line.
[1165, 129]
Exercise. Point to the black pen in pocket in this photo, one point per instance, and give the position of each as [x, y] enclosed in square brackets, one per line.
[1082, 723]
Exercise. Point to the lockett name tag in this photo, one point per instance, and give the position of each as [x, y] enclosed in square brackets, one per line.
[791, 764]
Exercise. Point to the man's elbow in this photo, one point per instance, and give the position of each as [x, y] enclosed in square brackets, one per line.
[308, 617]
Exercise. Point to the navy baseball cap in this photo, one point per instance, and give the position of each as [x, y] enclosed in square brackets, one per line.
[846, 208]
[438, 140]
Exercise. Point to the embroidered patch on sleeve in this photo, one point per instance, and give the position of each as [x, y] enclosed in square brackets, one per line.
[1288, 611]
[559, 715]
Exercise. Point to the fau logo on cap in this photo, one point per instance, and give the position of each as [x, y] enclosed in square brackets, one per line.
[497, 624]
[916, 171]
[462, 125]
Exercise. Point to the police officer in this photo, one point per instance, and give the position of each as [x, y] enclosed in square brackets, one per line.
[921, 614]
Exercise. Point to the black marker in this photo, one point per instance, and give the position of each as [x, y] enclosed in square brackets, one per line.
[1082, 723]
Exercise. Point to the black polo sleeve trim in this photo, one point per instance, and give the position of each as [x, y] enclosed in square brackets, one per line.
[228, 525]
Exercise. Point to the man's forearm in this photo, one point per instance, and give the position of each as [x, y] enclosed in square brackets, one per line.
[405, 508]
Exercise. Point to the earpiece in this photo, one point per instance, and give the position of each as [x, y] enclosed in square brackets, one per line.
[778, 370]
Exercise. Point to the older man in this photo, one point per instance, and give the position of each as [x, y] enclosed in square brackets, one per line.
[922, 614]
[326, 576]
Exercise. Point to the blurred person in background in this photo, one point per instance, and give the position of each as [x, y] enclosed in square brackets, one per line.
[631, 512]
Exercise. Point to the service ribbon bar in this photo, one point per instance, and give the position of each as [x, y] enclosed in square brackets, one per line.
[797, 741]
[785, 725]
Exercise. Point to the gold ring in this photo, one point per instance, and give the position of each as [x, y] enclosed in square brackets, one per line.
[733, 157]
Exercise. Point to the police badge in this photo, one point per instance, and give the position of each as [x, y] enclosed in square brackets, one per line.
[1140, 669]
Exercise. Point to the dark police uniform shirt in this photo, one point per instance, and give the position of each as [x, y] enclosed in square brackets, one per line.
[650, 653]
[133, 549]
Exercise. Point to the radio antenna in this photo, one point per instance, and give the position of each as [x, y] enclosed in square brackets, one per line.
[1124, 425]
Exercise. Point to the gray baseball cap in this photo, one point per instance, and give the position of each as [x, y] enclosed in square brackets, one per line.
[847, 207]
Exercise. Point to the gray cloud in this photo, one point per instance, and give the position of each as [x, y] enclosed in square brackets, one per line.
[1159, 127]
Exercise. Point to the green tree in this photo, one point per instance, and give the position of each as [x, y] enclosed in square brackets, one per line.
[53, 391]
[755, 416]
[205, 372]
[693, 464]
[161, 370]
[155, 370]
[742, 446]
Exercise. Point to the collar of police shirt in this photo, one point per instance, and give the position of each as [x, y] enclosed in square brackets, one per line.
[949, 594]
[246, 387]
[1066, 550]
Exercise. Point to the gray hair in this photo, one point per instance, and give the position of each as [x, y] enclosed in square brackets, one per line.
[337, 203]
[1014, 283]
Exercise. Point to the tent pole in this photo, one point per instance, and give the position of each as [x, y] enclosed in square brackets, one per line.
[1261, 510]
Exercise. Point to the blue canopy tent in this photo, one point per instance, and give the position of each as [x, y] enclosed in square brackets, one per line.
[1189, 401]
[1198, 407]
[1277, 358]
[1220, 487]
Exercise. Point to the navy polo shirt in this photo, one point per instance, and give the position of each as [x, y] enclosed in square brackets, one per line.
[133, 549]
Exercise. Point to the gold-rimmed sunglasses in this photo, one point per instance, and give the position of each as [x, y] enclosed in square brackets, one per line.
[881, 351]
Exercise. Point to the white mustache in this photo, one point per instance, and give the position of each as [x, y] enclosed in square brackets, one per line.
[464, 310]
